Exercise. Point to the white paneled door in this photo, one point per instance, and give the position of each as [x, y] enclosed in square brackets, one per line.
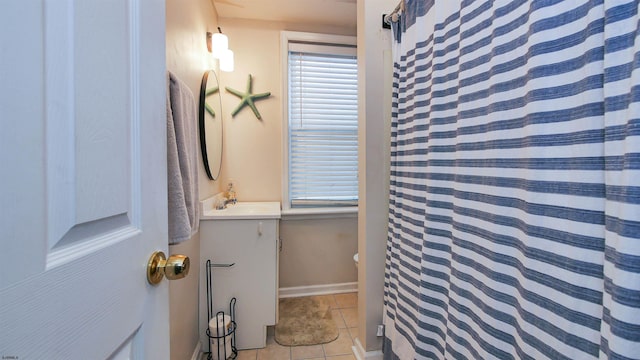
[83, 179]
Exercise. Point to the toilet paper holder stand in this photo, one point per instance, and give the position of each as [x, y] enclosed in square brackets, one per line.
[221, 337]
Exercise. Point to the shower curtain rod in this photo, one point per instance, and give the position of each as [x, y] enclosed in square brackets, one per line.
[393, 16]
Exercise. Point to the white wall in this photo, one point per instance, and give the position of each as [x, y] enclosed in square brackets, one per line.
[318, 252]
[374, 83]
[187, 24]
[183, 303]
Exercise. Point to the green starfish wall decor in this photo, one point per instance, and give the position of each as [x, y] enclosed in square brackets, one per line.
[247, 99]
[206, 94]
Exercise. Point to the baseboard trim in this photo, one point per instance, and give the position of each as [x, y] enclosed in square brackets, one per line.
[196, 352]
[298, 291]
[360, 354]
[357, 349]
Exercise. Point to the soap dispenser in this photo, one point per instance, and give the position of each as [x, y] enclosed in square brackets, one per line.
[231, 193]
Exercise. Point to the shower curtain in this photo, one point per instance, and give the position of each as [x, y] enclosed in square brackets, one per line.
[514, 226]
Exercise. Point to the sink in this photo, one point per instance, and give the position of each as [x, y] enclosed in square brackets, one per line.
[240, 210]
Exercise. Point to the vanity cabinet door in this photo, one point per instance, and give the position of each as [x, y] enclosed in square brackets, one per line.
[252, 246]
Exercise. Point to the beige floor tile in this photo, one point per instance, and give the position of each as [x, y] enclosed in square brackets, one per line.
[274, 351]
[341, 357]
[242, 355]
[247, 354]
[307, 352]
[353, 331]
[329, 299]
[337, 317]
[350, 316]
[347, 300]
[341, 346]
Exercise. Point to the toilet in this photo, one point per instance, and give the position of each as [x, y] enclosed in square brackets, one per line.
[355, 258]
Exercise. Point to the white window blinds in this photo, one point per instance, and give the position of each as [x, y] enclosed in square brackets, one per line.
[323, 125]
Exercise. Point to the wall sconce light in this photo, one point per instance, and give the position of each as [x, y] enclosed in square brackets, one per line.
[226, 61]
[218, 46]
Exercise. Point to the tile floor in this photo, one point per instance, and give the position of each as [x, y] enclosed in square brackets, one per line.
[344, 309]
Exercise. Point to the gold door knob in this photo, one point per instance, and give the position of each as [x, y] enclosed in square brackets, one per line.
[158, 266]
[177, 267]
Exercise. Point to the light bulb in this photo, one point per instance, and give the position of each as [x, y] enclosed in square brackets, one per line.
[219, 44]
[226, 61]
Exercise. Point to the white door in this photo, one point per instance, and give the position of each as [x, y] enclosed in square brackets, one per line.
[83, 173]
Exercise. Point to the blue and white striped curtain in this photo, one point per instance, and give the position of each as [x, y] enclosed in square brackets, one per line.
[514, 229]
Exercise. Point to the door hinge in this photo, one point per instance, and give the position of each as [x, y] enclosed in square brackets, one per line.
[380, 330]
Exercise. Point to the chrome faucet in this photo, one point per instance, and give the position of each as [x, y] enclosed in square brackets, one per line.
[222, 204]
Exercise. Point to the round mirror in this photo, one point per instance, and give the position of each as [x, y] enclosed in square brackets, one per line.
[210, 118]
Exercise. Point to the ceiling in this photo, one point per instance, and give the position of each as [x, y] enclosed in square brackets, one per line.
[340, 13]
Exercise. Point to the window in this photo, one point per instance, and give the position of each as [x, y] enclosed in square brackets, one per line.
[321, 153]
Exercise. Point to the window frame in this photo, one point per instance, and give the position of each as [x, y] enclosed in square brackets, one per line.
[285, 38]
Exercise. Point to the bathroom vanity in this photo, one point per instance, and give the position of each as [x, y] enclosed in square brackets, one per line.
[242, 242]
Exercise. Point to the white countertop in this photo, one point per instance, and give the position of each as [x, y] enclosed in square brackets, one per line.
[241, 210]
